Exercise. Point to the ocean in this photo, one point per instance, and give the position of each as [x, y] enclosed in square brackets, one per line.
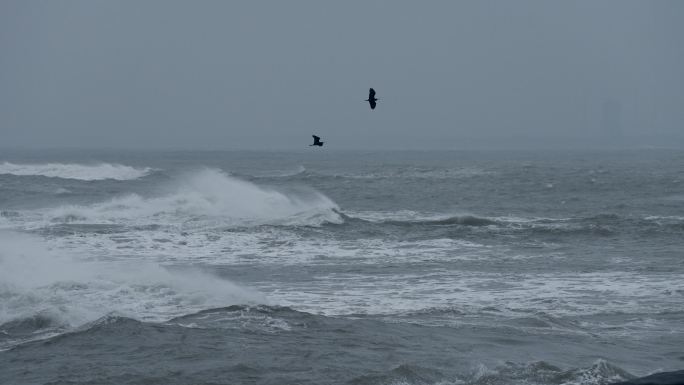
[340, 267]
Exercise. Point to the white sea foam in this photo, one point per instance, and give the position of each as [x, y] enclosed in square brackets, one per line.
[99, 171]
[37, 280]
[267, 246]
[664, 219]
[415, 216]
[408, 216]
[558, 295]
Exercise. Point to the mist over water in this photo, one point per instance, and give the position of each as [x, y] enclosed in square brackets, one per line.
[390, 267]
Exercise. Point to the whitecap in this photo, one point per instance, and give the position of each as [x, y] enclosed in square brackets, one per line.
[99, 171]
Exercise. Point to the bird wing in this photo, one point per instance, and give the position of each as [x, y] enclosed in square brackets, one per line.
[316, 138]
[371, 93]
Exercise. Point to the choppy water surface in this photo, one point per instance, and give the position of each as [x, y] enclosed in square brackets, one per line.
[340, 267]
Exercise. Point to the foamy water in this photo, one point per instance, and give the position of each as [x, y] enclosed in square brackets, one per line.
[99, 171]
[453, 271]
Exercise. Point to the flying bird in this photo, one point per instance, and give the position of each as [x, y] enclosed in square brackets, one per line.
[371, 98]
[317, 141]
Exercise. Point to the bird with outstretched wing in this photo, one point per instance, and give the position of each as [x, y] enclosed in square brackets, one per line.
[371, 98]
[317, 141]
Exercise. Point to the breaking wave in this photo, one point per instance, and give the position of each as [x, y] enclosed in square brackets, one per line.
[100, 171]
[208, 197]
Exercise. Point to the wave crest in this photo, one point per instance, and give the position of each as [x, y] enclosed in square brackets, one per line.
[99, 171]
[411, 218]
[209, 197]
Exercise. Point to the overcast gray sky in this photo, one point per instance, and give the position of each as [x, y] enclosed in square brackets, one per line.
[268, 74]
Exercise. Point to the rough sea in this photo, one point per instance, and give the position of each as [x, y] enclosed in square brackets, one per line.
[334, 267]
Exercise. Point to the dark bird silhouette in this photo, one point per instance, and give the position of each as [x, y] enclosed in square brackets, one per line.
[371, 98]
[317, 141]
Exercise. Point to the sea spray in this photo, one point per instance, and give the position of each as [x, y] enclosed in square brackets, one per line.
[35, 280]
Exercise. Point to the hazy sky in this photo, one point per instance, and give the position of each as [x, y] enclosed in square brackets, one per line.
[267, 74]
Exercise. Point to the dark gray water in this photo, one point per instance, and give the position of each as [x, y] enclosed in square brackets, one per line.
[325, 267]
